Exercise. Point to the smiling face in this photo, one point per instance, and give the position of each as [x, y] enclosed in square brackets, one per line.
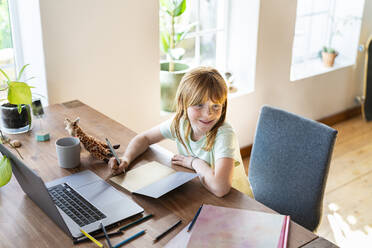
[202, 102]
[203, 117]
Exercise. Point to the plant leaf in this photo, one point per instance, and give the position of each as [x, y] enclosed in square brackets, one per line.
[180, 7]
[19, 107]
[164, 41]
[165, 4]
[5, 75]
[21, 71]
[186, 30]
[29, 79]
[19, 93]
[5, 171]
[173, 7]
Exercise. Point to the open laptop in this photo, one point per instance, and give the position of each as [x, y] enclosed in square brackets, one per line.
[81, 200]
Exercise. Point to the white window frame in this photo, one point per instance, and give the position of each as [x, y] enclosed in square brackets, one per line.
[16, 36]
[310, 64]
[308, 55]
[220, 31]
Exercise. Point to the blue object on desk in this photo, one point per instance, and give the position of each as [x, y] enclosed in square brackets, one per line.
[194, 219]
[42, 136]
[130, 239]
[136, 222]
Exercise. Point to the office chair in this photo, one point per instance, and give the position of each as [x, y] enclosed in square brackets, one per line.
[289, 164]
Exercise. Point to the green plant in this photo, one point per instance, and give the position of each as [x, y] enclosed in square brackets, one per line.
[5, 171]
[5, 166]
[171, 32]
[18, 92]
[328, 50]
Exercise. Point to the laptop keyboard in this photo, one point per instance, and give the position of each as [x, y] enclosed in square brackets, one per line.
[74, 205]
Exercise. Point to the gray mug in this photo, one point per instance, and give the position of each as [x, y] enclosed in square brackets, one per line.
[68, 152]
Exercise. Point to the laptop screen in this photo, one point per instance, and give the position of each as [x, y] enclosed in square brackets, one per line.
[34, 187]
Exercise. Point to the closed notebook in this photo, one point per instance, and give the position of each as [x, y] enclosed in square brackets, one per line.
[230, 227]
[152, 179]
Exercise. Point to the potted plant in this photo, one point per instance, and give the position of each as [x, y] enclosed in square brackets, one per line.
[328, 55]
[337, 29]
[171, 35]
[16, 112]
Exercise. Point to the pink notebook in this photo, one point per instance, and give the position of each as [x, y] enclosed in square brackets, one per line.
[230, 227]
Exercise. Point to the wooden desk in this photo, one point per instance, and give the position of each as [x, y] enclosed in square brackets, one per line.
[23, 224]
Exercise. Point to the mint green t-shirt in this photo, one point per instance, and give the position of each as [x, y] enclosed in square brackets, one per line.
[225, 146]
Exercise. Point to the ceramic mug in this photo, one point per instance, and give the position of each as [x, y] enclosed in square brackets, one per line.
[68, 152]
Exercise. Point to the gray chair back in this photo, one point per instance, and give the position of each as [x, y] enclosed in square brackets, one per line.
[289, 164]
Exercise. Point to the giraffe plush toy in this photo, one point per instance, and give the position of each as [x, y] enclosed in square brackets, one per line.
[96, 148]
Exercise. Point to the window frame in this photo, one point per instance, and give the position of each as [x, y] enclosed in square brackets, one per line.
[220, 31]
[16, 36]
[326, 40]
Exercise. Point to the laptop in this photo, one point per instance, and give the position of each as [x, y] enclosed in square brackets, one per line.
[79, 201]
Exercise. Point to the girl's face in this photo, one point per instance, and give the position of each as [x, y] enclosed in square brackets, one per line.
[203, 117]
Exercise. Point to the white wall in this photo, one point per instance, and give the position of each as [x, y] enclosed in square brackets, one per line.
[106, 54]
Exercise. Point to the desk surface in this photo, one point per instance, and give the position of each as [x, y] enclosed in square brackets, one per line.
[23, 224]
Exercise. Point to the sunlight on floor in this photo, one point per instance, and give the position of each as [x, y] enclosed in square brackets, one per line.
[343, 232]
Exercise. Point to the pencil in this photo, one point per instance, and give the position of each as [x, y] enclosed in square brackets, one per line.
[106, 236]
[113, 151]
[167, 231]
[84, 239]
[136, 222]
[91, 238]
[194, 219]
[130, 238]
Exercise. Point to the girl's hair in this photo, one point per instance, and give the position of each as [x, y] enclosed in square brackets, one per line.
[196, 87]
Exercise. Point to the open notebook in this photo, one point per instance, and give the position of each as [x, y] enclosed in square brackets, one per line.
[152, 179]
[230, 227]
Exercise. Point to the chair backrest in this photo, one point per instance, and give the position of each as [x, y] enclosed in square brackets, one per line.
[289, 164]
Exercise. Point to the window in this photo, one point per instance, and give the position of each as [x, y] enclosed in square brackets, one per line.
[7, 61]
[224, 34]
[204, 44]
[21, 43]
[329, 23]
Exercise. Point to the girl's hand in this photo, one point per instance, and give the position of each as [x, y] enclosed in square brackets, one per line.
[184, 161]
[117, 168]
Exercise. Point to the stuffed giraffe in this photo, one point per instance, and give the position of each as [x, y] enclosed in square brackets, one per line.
[98, 149]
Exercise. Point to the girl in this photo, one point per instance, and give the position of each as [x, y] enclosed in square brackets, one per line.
[205, 142]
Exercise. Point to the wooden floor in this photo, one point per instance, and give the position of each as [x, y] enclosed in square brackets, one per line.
[347, 210]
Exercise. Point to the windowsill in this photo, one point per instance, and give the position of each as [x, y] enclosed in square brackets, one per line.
[241, 91]
[315, 67]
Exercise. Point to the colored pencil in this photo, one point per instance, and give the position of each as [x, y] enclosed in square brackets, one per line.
[194, 219]
[99, 244]
[84, 239]
[136, 222]
[167, 231]
[106, 236]
[113, 151]
[130, 239]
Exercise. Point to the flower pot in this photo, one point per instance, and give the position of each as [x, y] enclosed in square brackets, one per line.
[329, 59]
[13, 122]
[169, 82]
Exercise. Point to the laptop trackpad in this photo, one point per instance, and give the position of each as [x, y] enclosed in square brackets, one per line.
[100, 193]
